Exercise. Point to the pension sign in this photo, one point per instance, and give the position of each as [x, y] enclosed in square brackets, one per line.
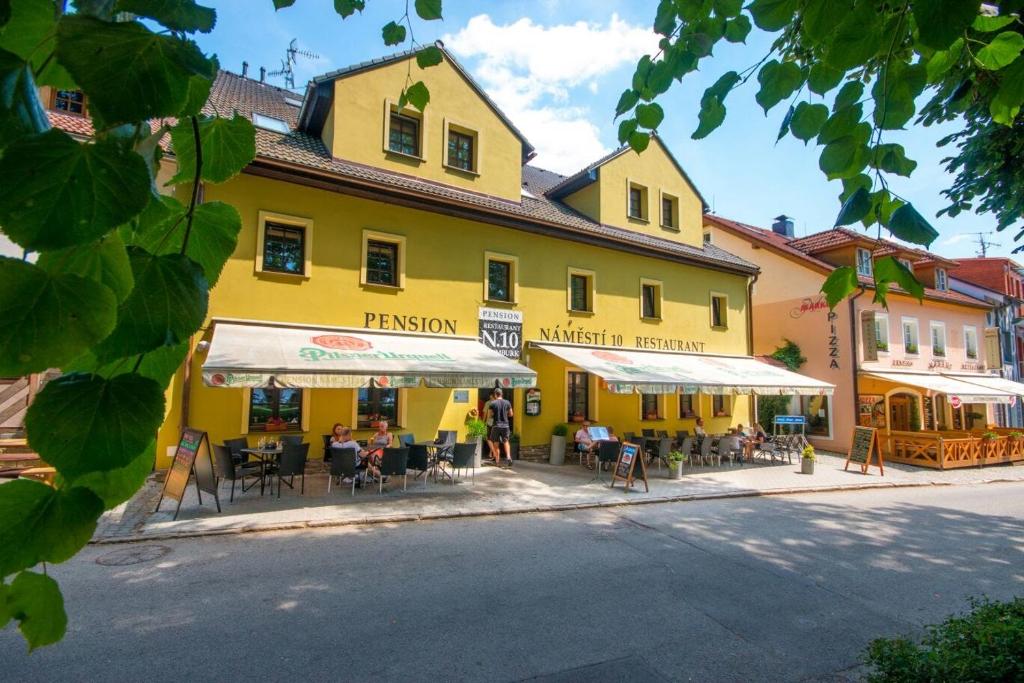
[502, 331]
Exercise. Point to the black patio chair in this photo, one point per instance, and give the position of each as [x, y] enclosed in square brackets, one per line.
[630, 437]
[686, 448]
[406, 440]
[228, 470]
[235, 446]
[292, 463]
[393, 463]
[445, 444]
[647, 433]
[291, 438]
[419, 460]
[327, 448]
[662, 434]
[681, 434]
[464, 457]
[607, 454]
[662, 450]
[343, 466]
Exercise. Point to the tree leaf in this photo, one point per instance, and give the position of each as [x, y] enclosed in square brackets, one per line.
[986, 24]
[177, 15]
[848, 96]
[840, 284]
[737, 29]
[347, 8]
[712, 113]
[1006, 103]
[843, 158]
[115, 486]
[104, 261]
[5, 16]
[943, 60]
[888, 270]
[1002, 51]
[214, 236]
[281, 4]
[854, 208]
[393, 34]
[665, 18]
[417, 95]
[57, 192]
[159, 364]
[894, 93]
[627, 101]
[639, 141]
[35, 601]
[626, 128]
[20, 113]
[229, 145]
[86, 423]
[808, 120]
[821, 19]
[778, 81]
[940, 22]
[772, 15]
[649, 115]
[910, 226]
[128, 72]
[891, 158]
[429, 56]
[822, 78]
[41, 524]
[861, 35]
[842, 123]
[29, 33]
[428, 10]
[48, 319]
[167, 305]
[784, 126]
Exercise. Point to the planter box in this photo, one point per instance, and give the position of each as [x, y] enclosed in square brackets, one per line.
[557, 456]
[806, 466]
[513, 449]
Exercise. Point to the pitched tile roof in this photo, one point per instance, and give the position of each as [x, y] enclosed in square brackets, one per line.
[797, 248]
[298, 150]
[830, 239]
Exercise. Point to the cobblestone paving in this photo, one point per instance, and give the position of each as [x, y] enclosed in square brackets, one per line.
[528, 487]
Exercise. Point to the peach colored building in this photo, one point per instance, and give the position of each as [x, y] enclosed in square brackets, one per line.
[906, 369]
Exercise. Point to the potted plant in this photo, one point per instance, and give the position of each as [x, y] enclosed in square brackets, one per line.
[1015, 435]
[476, 430]
[807, 458]
[513, 446]
[675, 464]
[558, 434]
[989, 436]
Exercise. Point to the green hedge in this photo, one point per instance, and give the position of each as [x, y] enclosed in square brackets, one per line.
[986, 644]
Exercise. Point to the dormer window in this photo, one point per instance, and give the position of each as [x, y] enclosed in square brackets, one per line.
[907, 264]
[941, 283]
[404, 135]
[71, 101]
[863, 262]
[270, 123]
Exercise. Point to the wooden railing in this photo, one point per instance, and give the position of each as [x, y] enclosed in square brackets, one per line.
[947, 450]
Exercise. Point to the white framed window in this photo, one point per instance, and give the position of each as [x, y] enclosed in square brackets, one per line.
[501, 278]
[383, 261]
[707, 237]
[719, 311]
[270, 123]
[580, 288]
[650, 299]
[911, 340]
[938, 334]
[284, 244]
[907, 264]
[863, 262]
[669, 211]
[971, 342]
[941, 281]
[461, 148]
[636, 202]
[403, 132]
[882, 332]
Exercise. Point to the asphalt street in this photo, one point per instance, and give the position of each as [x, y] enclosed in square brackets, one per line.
[787, 588]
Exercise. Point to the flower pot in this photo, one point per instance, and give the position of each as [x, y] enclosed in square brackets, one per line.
[806, 466]
[513, 449]
[557, 456]
[675, 471]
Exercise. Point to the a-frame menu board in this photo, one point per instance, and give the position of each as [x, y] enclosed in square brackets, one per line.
[630, 466]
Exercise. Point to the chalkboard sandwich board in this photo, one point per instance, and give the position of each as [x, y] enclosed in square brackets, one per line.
[630, 466]
[192, 457]
[863, 449]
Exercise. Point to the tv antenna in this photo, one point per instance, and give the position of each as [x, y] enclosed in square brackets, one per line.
[984, 244]
[288, 62]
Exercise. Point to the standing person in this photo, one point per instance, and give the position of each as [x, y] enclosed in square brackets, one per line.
[699, 428]
[502, 411]
[489, 422]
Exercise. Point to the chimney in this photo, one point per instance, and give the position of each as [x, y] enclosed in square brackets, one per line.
[783, 225]
[245, 69]
[263, 73]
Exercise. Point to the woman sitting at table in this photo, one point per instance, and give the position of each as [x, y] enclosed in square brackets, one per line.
[584, 443]
[341, 439]
[611, 435]
[755, 437]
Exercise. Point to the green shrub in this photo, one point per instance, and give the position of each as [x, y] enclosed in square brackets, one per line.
[987, 644]
[476, 429]
[560, 430]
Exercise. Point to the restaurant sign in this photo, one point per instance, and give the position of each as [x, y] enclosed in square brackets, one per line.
[502, 331]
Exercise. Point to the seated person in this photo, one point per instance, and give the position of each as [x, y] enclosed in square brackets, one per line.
[584, 444]
[342, 440]
[698, 430]
[611, 435]
[755, 436]
[379, 441]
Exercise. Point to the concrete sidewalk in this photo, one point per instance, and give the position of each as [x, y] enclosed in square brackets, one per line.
[529, 487]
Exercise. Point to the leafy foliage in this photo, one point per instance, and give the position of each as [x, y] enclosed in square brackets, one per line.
[789, 354]
[986, 644]
[967, 58]
[123, 273]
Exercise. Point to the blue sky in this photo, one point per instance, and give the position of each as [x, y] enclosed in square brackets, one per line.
[557, 69]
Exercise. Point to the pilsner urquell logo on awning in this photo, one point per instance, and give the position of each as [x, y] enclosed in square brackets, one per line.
[345, 347]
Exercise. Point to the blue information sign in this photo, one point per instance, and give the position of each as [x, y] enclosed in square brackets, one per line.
[790, 420]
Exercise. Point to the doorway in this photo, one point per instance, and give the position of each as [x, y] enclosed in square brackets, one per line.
[900, 412]
[484, 395]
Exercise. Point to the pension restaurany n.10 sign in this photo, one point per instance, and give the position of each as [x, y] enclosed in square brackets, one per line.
[502, 331]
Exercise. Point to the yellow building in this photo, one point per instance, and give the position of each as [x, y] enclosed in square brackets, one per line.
[390, 222]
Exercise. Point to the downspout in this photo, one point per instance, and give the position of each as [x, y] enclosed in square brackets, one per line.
[752, 406]
[853, 355]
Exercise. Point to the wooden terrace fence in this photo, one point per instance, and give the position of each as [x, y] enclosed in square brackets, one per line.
[947, 450]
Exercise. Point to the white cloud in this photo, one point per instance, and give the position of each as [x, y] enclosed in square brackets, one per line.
[954, 239]
[530, 71]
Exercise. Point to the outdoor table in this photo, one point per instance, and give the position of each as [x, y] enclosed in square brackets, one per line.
[266, 456]
[432, 448]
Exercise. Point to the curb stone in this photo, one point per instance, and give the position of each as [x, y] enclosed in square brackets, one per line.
[562, 507]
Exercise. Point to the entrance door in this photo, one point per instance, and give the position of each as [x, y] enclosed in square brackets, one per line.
[899, 413]
[483, 395]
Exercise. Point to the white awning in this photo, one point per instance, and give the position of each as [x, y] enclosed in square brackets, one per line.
[276, 355]
[656, 372]
[992, 382]
[967, 392]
